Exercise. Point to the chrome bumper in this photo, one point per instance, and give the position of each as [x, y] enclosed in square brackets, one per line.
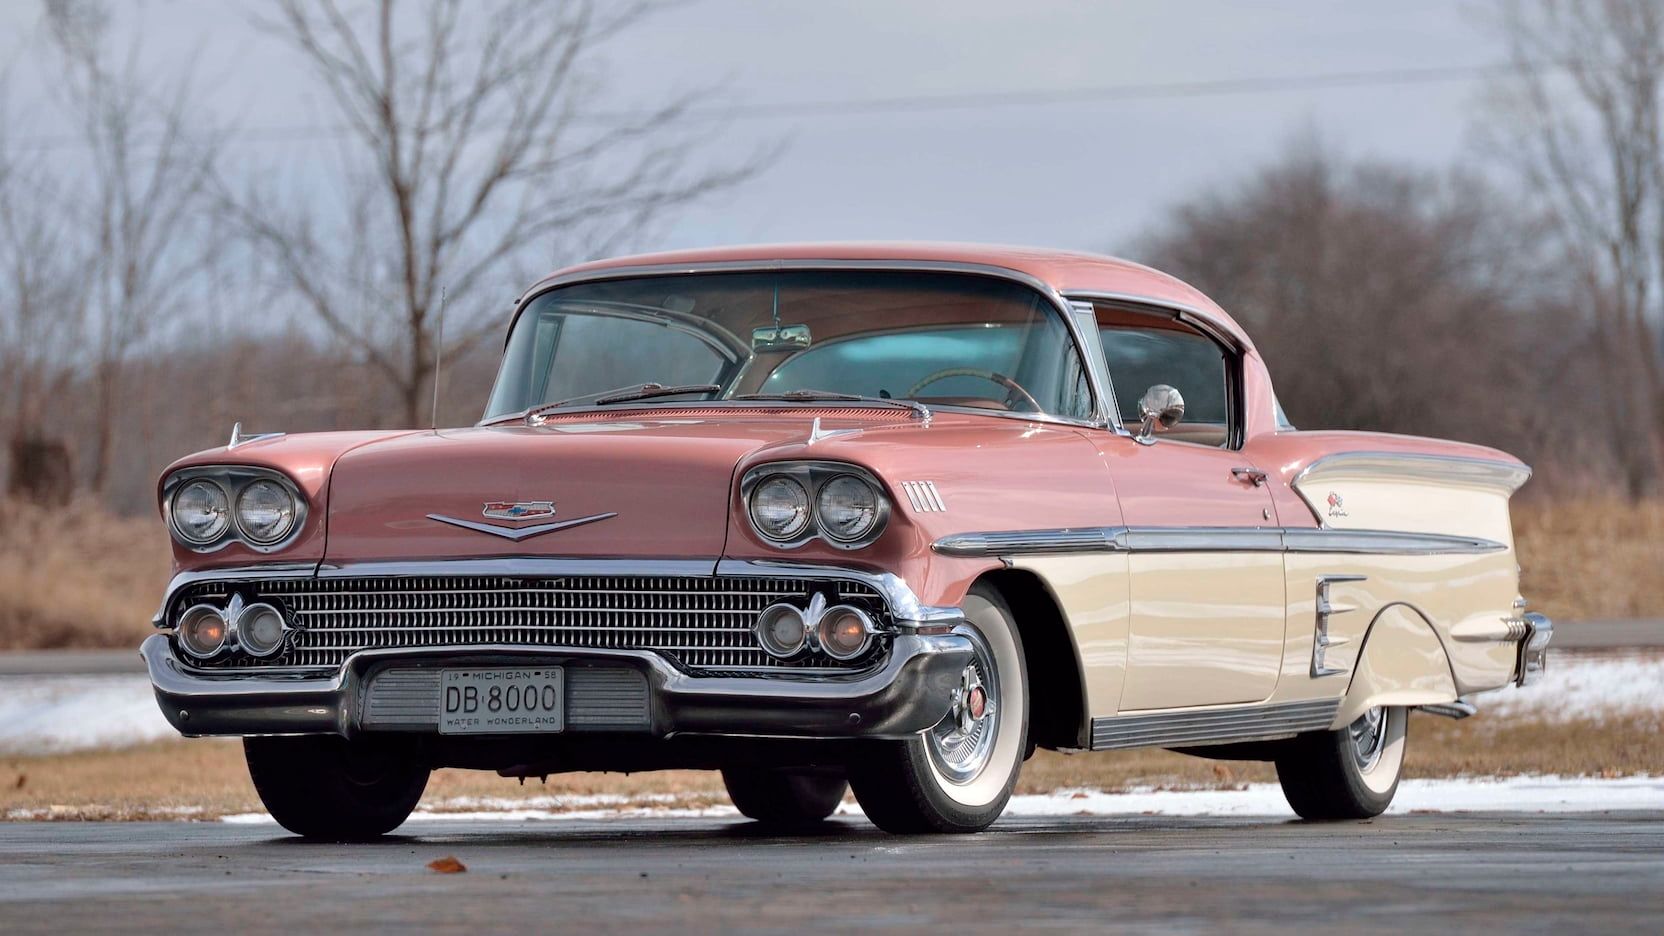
[1539, 630]
[910, 692]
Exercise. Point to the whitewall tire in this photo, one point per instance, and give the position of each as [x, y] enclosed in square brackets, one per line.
[1351, 773]
[958, 776]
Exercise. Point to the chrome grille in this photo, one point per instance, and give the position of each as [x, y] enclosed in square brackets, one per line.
[703, 623]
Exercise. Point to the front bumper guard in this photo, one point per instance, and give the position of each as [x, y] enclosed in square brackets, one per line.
[909, 693]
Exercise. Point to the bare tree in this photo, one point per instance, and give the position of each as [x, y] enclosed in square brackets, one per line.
[149, 170]
[1579, 117]
[474, 159]
[40, 306]
[1388, 298]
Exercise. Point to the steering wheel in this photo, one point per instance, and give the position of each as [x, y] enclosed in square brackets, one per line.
[1015, 388]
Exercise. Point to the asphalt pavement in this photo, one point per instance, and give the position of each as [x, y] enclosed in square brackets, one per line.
[1410, 873]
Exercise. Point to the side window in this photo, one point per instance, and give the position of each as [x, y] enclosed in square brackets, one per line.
[1142, 352]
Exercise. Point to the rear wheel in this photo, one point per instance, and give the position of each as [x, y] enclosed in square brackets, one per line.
[784, 798]
[958, 776]
[1351, 773]
[334, 789]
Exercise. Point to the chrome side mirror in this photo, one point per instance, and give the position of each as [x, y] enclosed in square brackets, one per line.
[1161, 404]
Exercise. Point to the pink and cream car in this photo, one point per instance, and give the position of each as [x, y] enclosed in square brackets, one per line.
[881, 517]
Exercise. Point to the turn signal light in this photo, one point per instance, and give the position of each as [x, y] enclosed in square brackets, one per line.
[203, 631]
[844, 632]
[781, 630]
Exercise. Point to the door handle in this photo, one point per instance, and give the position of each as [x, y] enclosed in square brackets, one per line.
[1253, 475]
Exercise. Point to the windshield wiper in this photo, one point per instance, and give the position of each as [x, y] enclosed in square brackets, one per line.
[646, 391]
[802, 396]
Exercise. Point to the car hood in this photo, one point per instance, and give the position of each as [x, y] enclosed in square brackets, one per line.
[617, 489]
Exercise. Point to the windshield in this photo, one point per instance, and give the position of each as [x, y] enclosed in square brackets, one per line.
[941, 339]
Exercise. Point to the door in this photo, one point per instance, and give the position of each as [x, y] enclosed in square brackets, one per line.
[1205, 564]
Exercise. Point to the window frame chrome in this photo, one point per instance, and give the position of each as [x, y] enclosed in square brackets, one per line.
[1233, 346]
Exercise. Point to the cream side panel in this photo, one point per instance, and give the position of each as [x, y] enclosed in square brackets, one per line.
[1407, 494]
[1207, 629]
[1461, 602]
[1092, 590]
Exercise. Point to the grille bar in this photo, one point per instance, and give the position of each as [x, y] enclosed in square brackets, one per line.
[703, 623]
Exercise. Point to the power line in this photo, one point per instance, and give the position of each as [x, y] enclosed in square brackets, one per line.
[924, 103]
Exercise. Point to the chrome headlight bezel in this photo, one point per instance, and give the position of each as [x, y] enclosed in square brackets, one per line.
[813, 476]
[232, 481]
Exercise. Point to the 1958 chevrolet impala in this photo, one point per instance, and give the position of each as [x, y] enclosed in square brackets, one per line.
[887, 517]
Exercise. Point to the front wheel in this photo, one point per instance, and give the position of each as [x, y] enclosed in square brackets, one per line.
[958, 776]
[784, 799]
[333, 789]
[1351, 773]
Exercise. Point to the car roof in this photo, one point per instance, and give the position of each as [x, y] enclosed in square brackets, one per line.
[1066, 271]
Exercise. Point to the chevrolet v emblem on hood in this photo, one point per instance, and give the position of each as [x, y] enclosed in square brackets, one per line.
[520, 510]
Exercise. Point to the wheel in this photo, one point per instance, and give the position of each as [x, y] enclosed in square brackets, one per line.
[1351, 773]
[784, 798]
[957, 776]
[334, 789]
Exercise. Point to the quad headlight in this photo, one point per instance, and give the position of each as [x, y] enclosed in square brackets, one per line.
[790, 503]
[265, 512]
[848, 508]
[780, 508]
[212, 506]
[201, 512]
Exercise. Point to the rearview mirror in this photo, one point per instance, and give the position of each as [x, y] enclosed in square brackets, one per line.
[1161, 405]
[780, 338]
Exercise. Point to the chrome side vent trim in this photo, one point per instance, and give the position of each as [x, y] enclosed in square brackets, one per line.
[923, 496]
[1326, 609]
[1200, 727]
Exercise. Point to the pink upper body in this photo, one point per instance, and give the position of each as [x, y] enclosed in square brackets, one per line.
[671, 471]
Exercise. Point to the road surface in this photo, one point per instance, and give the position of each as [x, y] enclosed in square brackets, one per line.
[1426, 873]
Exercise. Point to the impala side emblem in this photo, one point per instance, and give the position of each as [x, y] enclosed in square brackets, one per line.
[1337, 507]
[518, 511]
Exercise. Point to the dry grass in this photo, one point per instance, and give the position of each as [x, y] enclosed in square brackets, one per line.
[71, 579]
[78, 578]
[1590, 558]
[203, 779]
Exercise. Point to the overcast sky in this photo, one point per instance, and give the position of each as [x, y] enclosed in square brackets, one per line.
[1086, 174]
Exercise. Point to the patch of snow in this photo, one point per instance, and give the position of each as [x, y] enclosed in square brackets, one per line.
[1584, 685]
[48, 714]
[1503, 794]
[1546, 794]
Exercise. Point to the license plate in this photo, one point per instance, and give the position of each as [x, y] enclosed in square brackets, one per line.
[502, 701]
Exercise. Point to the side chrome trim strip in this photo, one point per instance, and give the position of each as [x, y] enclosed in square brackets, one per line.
[1021, 542]
[1211, 539]
[1200, 727]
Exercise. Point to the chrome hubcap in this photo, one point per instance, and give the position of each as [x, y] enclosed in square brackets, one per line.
[1369, 738]
[962, 743]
